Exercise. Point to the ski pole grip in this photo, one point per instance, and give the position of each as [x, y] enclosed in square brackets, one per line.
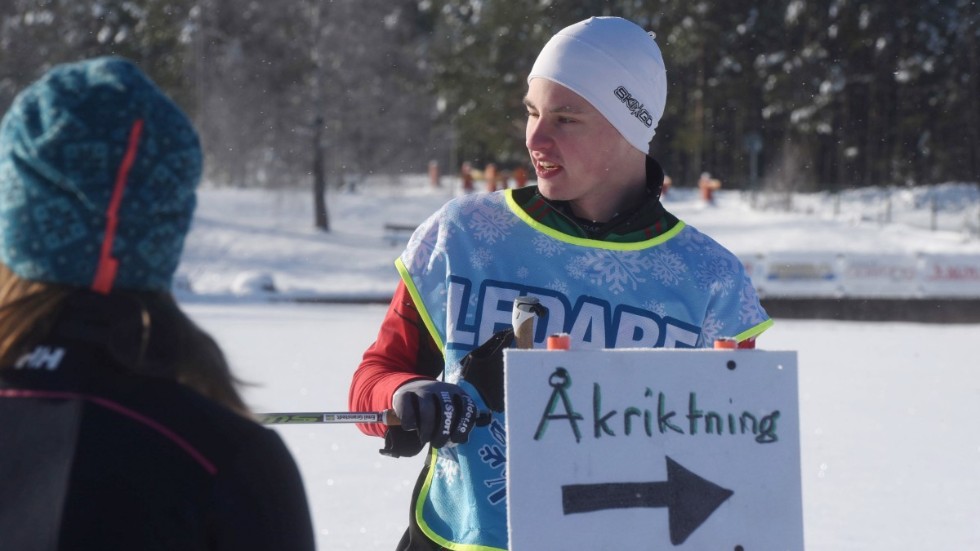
[526, 310]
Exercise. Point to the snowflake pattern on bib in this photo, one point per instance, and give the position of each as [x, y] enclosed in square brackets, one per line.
[612, 270]
[668, 267]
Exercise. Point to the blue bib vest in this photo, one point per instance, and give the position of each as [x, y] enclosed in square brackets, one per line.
[468, 262]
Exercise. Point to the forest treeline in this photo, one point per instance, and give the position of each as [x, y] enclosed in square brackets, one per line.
[789, 94]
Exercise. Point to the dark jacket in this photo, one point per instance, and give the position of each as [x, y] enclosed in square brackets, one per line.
[96, 456]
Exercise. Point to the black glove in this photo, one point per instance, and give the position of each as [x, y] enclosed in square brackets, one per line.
[439, 412]
[484, 368]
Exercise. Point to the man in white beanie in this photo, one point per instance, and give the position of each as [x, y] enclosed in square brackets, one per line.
[595, 95]
[591, 242]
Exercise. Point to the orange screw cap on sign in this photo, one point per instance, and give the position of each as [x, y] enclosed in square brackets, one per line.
[558, 341]
[726, 343]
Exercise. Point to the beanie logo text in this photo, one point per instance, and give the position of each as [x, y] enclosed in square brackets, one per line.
[635, 107]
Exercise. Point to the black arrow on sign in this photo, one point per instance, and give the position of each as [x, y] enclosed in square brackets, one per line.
[689, 499]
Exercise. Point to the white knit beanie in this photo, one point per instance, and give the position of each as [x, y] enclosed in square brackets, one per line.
[614, 65]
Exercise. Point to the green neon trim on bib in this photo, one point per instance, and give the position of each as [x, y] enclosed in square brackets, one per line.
[583, 242]
[419, 304]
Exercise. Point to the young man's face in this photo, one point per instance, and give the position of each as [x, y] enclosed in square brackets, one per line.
[577, 154]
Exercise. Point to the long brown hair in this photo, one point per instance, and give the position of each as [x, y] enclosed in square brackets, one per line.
[27, 310]
[174, 344]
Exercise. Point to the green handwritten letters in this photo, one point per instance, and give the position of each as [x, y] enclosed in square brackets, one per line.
[655, 414]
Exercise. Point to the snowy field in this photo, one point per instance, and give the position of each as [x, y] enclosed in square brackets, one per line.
[242, 238]
[889, 411]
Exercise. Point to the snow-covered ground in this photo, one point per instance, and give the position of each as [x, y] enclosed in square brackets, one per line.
[889, 438]
[239, 235]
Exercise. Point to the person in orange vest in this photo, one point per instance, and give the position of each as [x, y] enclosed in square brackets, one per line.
[708, 186]
[520, 176]
[490, 174]
[466, 176]
[434, 173]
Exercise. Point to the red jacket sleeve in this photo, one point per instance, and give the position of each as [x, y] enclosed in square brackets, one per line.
[403, 351]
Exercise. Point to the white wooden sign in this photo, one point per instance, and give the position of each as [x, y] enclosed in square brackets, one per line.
[653, 449]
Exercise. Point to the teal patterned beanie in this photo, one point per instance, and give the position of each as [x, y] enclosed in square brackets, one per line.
[98, 171]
